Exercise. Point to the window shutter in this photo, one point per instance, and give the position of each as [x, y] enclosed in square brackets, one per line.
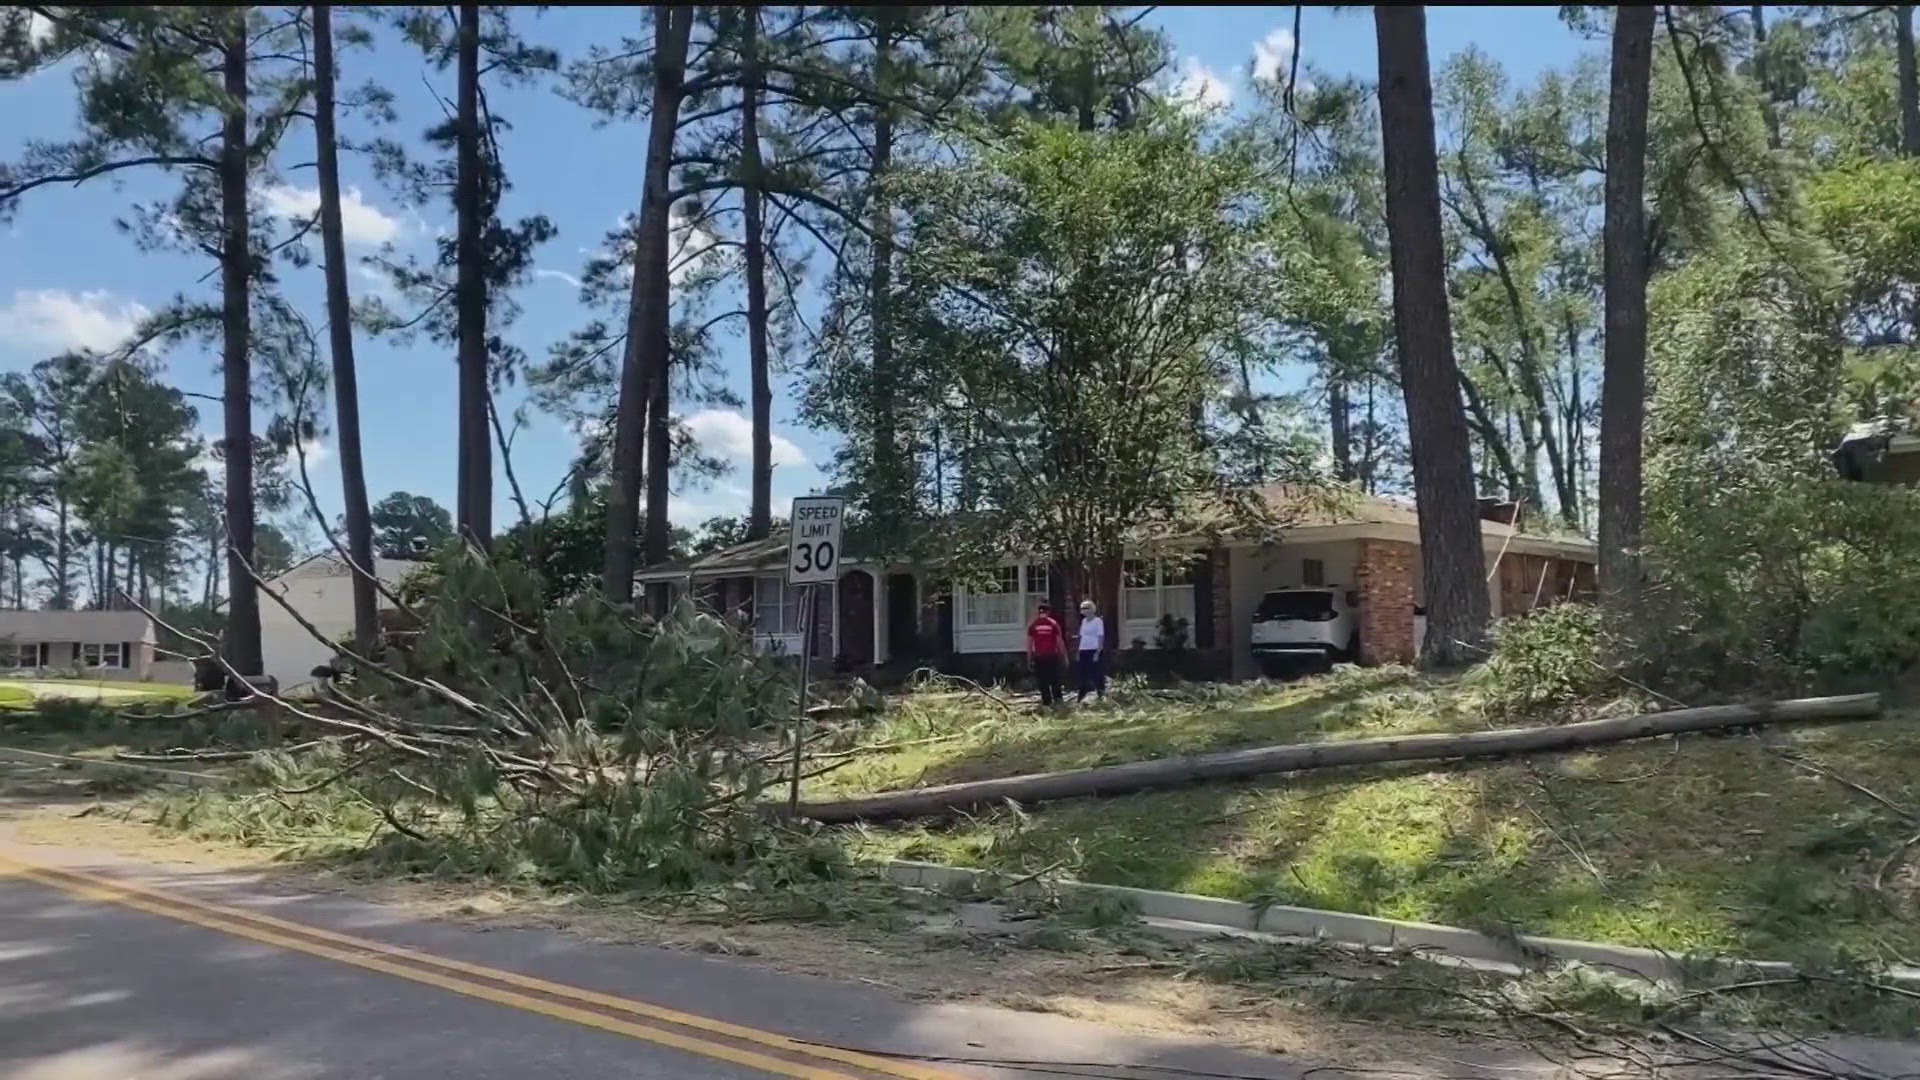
[126, 654]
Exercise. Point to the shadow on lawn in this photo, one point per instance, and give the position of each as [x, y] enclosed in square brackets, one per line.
[1713, 847]
[1091, 736]
[94, 729]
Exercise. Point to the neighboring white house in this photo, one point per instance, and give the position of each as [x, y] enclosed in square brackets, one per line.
[104, 644]
[321, 590]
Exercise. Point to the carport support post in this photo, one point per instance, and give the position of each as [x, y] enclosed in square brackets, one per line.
[809, 597]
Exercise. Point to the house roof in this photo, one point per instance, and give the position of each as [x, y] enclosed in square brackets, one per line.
[82, 626]
[390, 572]
[1357, 511]
[328, 564]
[1294, 511]
[744, 558]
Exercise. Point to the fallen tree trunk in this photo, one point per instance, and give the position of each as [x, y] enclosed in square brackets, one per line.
[1258, 761]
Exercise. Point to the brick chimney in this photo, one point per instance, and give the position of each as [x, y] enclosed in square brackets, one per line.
[1500, 510]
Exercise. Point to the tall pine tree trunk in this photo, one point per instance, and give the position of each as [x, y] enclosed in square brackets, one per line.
[62, 599]
[1574, 422]
[752, 198]
[1623, 390]
[890, 496]
[1451, 559]
[1909, 80]
[236, 329]
[346, 391]
[475, 502]
[645, 360]
[213, 571]
[1340, 422]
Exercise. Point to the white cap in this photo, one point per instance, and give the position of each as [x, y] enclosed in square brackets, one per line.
[1086, 606]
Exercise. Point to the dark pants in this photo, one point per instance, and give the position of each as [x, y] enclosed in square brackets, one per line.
[1047, 673]
[1090, 674]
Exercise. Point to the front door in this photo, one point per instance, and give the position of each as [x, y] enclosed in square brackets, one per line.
[903, 617]
[856, 618]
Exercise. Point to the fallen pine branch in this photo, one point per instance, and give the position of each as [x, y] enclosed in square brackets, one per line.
[190, 714]
[1259, 761]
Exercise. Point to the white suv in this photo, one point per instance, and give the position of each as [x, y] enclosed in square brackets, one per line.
[1317, 624]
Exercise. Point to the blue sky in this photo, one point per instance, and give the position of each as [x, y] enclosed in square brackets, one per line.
[69, 277]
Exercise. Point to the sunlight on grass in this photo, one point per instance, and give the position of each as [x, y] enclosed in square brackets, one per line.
[1716, 844]
[21, 693]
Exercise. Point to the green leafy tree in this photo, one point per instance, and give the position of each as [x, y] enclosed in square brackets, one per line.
[402, 518]
[1084, 290]
[136, 472]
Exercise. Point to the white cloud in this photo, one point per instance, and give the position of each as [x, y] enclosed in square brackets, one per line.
[694, 246]
[378, 283]
[209, 462]
[1273, 55]
[313, 452]
[557, 275]
[55, 319]
[361, 222]
[694, 507]
[1199, 86]
[727, 435]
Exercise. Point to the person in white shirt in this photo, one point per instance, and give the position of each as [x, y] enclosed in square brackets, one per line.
[1090, 670]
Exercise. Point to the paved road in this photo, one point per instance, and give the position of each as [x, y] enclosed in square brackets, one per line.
[99, 983]
[115, 970]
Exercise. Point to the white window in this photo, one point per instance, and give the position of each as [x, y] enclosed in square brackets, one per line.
[1143, 591]
[101, 654]
[1156, 588]
[776, 607]
[994, 601]
[1036, 587]
[19, 654]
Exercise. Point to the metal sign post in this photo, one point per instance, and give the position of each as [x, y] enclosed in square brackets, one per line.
[813, 561]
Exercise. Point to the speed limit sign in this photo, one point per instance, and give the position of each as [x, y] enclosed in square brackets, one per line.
[813, 546]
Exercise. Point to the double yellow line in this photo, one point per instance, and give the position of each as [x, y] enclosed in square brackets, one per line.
[766, 1051]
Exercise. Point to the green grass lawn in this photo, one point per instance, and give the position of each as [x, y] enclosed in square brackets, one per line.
[20, 693]
[1710, 843]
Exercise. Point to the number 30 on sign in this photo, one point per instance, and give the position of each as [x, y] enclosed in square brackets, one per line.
[813, 547]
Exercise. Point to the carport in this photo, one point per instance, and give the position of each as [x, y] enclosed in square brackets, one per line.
[1376, 551]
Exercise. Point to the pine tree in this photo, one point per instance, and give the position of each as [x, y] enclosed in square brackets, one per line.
[1452, 562]
[1624, 388]
[353, 479]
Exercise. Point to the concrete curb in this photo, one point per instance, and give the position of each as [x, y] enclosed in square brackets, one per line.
[1188, 916]
[97, 766]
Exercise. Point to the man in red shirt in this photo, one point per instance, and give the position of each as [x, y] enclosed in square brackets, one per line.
[1047, 649]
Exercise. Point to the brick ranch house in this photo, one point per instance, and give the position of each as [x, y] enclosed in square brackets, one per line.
[890, 614]
[1883, 451]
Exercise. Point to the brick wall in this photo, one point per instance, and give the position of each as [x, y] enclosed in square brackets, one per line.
[1384, 572]
[1525, 579]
